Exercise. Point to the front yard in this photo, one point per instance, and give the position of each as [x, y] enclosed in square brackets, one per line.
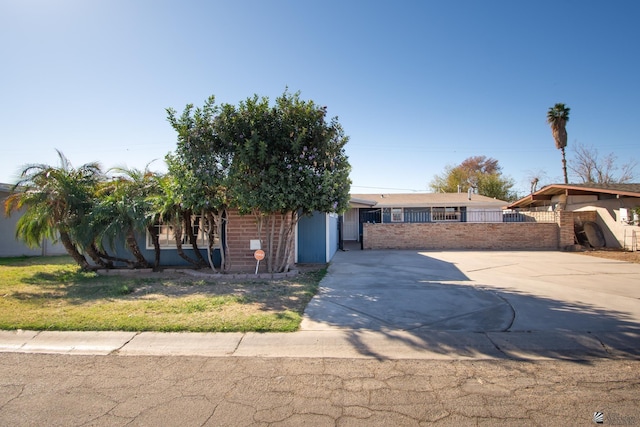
[51, 293]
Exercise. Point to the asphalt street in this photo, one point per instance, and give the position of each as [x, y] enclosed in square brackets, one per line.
[392, 338]
[66, 390]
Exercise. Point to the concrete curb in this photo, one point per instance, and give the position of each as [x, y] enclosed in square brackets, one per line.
[388, 345]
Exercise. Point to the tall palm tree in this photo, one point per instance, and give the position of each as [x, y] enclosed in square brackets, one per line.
[56, 199]
[557, 117]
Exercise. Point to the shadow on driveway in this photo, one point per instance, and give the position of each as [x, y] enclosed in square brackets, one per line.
[419, 302]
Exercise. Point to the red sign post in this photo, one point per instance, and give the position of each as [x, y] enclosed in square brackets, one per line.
[259, 256]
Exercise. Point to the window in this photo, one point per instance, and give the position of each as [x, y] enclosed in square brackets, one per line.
[445, 214]
[167, 237]
[396, 215]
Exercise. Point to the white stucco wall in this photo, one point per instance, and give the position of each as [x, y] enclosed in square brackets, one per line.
[617, 234]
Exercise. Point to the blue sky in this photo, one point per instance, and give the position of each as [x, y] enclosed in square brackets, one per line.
[417, 85]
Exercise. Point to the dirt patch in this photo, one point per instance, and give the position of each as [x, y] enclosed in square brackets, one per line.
[616, 254]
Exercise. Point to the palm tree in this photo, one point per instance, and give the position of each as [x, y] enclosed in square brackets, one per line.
[557, 117]
[124, 208]
[56, 199]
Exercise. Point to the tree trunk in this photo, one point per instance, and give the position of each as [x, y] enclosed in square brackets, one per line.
[132, 244]
[153, 231]
[280, 246]
[224, 248]
[287, 241]
[564, 166]
[92, 251]
[271, 229]
[70, 247]
[177, 234]
[106, 256]
[186, 217]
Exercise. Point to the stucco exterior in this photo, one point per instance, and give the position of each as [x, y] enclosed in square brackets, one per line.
[10, 246]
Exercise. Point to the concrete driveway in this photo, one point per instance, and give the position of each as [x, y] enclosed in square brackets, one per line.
[522, 302]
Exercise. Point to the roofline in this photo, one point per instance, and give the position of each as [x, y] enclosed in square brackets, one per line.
[363, 202]
[528, 200]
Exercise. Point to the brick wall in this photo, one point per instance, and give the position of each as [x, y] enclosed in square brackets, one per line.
[240, 230]
[460, 235]
[566, 230]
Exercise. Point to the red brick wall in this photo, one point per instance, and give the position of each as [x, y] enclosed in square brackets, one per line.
[461, 235]
[240, 230]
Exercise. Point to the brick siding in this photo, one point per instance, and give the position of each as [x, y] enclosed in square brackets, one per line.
[460, 235]
[240, 230]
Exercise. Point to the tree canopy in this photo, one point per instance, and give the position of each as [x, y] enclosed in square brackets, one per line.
[483, 175]
[283, 159]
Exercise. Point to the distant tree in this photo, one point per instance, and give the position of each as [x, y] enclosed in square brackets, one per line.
[589, 167]
[536, 178]
[57, 199]
[480, 173]
[557, 117]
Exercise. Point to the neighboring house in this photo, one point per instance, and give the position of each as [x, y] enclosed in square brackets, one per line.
[613, 205]
[418, 208]
[9, 245]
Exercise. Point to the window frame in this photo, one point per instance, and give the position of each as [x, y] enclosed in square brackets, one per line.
[400, 215]
[446, 214]
[167, 239]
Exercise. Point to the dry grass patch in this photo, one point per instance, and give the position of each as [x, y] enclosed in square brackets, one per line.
[53, 294]
[617, 254]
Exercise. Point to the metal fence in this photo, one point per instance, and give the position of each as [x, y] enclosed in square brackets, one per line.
[472, 216]
[530, 216]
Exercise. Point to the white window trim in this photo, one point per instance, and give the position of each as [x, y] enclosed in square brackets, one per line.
[446, 214]
[167, 241]
[395, 211]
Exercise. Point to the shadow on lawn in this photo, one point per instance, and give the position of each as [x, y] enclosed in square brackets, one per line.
[77, 287]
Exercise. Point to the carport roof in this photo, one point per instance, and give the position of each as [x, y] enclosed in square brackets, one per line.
[407, 200]
[547, 192]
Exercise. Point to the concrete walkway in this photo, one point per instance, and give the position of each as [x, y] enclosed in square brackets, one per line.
[421, 305]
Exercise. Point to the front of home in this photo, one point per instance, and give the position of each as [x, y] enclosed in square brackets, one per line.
[542, 220]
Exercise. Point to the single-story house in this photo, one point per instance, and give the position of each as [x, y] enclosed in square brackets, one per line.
[9, 245]
[316, 240]
[418, 208]
[614, 206]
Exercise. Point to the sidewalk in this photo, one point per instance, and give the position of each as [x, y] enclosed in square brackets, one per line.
[342, 344]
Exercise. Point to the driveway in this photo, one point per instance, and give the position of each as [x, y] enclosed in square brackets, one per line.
[529, 300]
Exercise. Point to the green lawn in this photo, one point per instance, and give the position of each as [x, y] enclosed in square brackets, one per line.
[51, 293]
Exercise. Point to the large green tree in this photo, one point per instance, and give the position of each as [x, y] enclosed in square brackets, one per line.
[199, 177]
[557, 117]
[483, 175]
[287, 160]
